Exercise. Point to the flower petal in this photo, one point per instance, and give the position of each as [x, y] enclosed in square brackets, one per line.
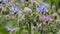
[16, 8]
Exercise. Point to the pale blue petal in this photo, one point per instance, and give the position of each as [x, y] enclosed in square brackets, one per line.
[4, 1]
[12, 8]
[45, 10]
[41, 9]
[37, 9]
[8, 28]
[16, 8]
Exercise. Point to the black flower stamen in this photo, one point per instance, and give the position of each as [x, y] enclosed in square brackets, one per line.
[26, 0]
[34, 24]
[55, 17]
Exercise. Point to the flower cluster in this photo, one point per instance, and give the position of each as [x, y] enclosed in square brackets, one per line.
[15, 10]
[3, 1]
[41, 9]
[46, 18]
[27, 15]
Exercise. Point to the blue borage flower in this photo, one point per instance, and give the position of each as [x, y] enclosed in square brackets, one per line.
[16, 8]
[8, 28]
[11, 29]
[45, 9]
[3, 1]
[41, 9]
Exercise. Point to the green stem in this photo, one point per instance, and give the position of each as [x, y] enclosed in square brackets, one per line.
[29, 28]
[42, 29]
[21, 29]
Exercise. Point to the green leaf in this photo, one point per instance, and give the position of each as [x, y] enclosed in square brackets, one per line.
[3, 31]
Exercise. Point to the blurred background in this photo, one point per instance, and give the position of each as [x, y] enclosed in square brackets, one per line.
[29, 16]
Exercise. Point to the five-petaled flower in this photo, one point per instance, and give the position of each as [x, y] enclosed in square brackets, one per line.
[15, 10]
[41, 9]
